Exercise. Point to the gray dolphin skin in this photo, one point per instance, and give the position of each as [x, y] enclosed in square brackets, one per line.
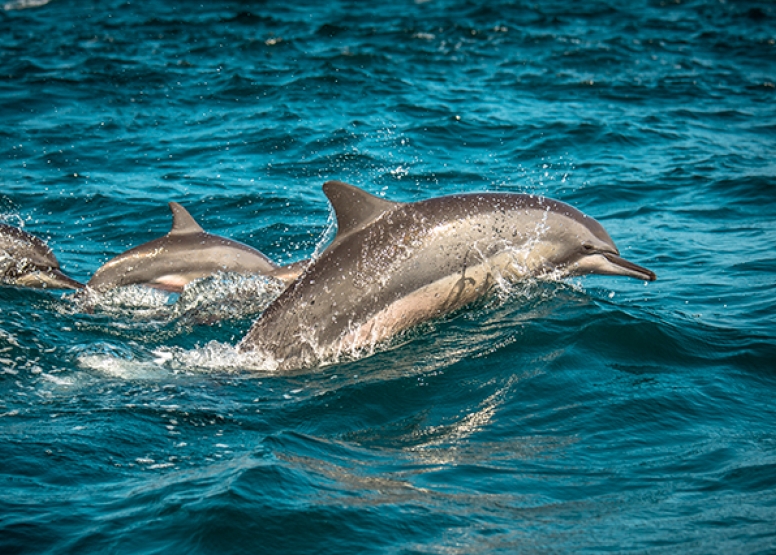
[26, 261]
[394, 265]
[186, 253]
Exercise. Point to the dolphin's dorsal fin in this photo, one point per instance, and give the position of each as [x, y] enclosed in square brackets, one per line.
[353, 207]
[182, 222]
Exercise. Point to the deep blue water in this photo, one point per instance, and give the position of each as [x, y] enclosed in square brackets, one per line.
[591, 415]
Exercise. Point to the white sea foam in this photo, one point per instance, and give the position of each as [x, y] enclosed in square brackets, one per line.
[212, 358]
[24, 4]
[217, 297]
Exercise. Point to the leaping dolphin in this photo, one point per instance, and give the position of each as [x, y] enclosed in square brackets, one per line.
[26, 261]
[186, 253]
[393, 265]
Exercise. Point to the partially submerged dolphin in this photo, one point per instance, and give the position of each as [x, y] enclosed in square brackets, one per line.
[26, 261]
[394, 265]
[186, 253]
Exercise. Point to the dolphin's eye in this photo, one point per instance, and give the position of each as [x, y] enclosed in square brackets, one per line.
[587, 247]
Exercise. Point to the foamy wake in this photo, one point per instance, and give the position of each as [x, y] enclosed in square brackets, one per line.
[137, 309]
[24, 4]
[218, 297]
[212, 358]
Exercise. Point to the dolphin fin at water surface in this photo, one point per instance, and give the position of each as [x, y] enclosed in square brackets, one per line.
[186, 253]
[27, 261]
[394, 265]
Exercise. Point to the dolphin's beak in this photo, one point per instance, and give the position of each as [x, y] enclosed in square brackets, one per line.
[55, 279]
[618, 266]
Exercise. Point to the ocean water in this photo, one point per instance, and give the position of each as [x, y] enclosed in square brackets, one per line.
[594, 414]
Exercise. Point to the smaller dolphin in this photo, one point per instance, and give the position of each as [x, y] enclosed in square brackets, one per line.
[26, 261]
[186, 253]
[393, 265]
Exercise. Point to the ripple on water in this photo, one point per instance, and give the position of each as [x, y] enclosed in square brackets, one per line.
[597, 415]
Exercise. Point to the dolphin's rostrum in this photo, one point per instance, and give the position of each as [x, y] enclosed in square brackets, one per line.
[186, 253]
[393, 265]
[26, 261]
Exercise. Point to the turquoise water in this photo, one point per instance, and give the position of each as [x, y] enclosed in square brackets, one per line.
[596, 414]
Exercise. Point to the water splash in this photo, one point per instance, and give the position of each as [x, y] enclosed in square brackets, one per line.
[136, 362]
[203, 301]
[24, 4]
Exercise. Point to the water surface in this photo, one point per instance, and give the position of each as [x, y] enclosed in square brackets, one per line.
[597, 414]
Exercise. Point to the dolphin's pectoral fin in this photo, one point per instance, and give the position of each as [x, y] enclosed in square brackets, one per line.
[170, 283]
[182, 222]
